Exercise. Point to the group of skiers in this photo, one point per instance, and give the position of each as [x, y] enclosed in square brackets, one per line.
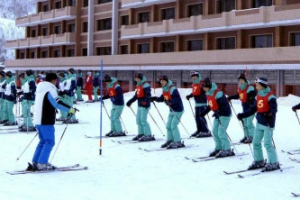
[207, 98]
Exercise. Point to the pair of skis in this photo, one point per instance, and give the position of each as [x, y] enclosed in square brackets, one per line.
[98, 137]
[207, 158]
[75, 167]
[292, 152]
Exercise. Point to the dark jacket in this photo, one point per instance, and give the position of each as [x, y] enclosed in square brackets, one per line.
[144, 101]
[119, 98]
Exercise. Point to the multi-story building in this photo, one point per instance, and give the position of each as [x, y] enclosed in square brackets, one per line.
[220, 38]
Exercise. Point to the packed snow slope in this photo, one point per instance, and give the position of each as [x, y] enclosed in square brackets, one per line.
[125, 172]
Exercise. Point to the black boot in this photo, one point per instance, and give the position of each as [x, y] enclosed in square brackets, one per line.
[257, 164]
[243, 139]
[248, 140]
[225, 153]
[175, 145]
[108, 134]
[195, 134]
[115, 134]
[214, 153]
[146, 138]
[31, 167]
[167, 143]
[271, 167]
[137, 137]
[204, 134]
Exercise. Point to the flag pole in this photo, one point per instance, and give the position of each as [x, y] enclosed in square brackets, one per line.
[101, 93]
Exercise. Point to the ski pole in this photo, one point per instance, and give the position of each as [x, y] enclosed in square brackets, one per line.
[156, 124]
[248, 138]
[105, 109]
[209, 121]
[132, 111]
[180, 122]
[122, 121]
[27, 146]
[297, 117]
[191, 108]
[227, 134]
[242, 126]
[159, 113]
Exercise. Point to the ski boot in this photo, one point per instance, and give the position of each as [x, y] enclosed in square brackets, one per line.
[45, 167]
[225, 153]
[175, 145]
[10, 123]
[257, 164]
[61, 119]
[137, 137]
[31, 167]
[166, 144]
[214, 153]
[271, 167]
[108, 134]
[147, 138]
[248, 140]
[30, 129]
[115, 134]
[243, 139]
[3, 121]
[204, 134]
[195, 134]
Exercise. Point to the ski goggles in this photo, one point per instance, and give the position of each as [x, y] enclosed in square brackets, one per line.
[258, 80]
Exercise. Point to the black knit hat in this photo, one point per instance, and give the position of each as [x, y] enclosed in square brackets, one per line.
[22, 75]
[79, 71]
[29, 72]
[242, 76]
[61, 73]
[72, 70]
[194, 73]
[163, 77]
[262, 81]
[106, 78]
[9, 74]
[206, 82]
[51, 76]
[2, 73]
[138, 75]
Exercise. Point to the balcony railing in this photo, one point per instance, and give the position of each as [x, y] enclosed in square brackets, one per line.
[141, 3]
[65, 13]
[50, 40]
[226, 21]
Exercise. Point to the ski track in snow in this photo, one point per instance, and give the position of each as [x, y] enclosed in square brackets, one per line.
[124, 172]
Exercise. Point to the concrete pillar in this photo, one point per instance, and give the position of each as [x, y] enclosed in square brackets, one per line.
[115, 28]
[178, 8]
[239, 39]
[91, 25]
[279, 83]
[152, 44]
[78, 28]
[178, 43]
[131, 16]
[206, 7]
[154, 14]
[277, 37]
[206, 41]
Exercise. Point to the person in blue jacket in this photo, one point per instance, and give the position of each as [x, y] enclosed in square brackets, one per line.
[115, 94]
[172, 99]
[10, 96]
[142, 94]
[266, 108]
[79, 85]
[200, 105]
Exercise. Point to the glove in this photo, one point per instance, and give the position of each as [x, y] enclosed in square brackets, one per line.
[128, 104]
[240, 116]
[60, 93]
[169, 103]
[202, 115]
[153, 99]
[143, 103]
[294, 108]
[189, 96]
[229, 99]
[269, 116]
[216, 115]
[72, 111]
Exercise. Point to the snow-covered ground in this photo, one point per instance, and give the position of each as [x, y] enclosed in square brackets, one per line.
[125, 172]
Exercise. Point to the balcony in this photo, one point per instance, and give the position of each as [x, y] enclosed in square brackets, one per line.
[55, 15]
[226, 21]
[142, 3]
[51, 40]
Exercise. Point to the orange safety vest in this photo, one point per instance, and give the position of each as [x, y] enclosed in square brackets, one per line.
[243, 94]
[212, 101]
[196, 89]
[111, 91]
[167, 95]
[140, 91]
[262, 103]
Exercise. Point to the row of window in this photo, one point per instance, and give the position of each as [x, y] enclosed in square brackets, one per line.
[85, 3]
[45, 54]
[56, 30]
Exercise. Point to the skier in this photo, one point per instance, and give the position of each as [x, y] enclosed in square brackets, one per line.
[10, 96]
[115, 94]
[69, 90]
[246, 93]
[89, 87]
[2, 106]
[96, 84]
[172, 99]
[61, 93]
[46, 102]
[200, 105]
[266, 108]
[28, 91]
[79, 83]
[142, 94]
[222, 113]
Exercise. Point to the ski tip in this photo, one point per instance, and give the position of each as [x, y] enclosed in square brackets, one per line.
[225, 172]
[240, 176]
[119, 142]
[295, 195]
[186, 157]
[194, 160]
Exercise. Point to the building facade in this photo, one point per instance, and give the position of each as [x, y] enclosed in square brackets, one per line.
[219, 38]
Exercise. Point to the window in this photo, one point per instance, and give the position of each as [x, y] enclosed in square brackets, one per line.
[58, 5]
[70, 52]
[33, 54]
[144, 17]
[196, 9]
[124, 49]
[104, 24]
[85, 27]
[45, 8]
[226, 43]
[22, 55]
[167, 47]
[295, 39]
[125, 20]
[104, 1]
[262, 41]
[103, 50]
[57, 53]
[72, 2]
[225, 5]
[85, 3]
[143, 48]
[71, 28]
[57, 29]
[33, 33]
[258, 3]
[84, 52]
[168, 13]
[45, 31]
[44, 54]
[195, 45]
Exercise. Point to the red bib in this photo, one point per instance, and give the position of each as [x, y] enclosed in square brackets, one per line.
[262, 103]
[167, 95]
[212, 102]
[140, 91]
[111, 91]
[243, 94]
[196, 89]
